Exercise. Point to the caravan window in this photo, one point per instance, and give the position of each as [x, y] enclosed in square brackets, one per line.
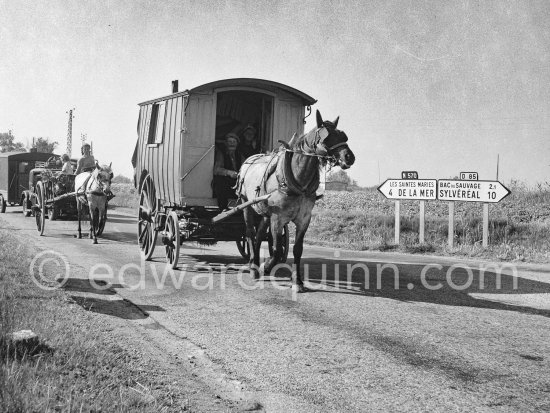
[156, 126]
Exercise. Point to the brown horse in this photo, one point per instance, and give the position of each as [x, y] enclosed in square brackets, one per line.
[291, 177]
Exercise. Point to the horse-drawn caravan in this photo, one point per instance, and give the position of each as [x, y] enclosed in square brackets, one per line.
[35, 181]
[174, 165]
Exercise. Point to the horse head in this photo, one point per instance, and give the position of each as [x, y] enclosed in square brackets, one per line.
[103, 176]
[332, 142]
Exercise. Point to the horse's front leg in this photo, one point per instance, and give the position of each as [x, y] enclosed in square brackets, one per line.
[301, 228]
[92, 212]
[253, 261]
[79, 214]
[260, 235]
[277, 226]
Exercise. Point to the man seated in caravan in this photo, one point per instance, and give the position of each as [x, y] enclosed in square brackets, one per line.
[226, 166]
[249, 145]
[87, 162]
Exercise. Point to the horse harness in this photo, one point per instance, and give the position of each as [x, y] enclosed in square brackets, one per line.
[287, 183]
[82, 192]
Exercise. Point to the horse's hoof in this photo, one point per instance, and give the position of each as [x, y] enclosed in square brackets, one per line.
[255, 273]
[95, 241]
[79, 236]
[299, 288]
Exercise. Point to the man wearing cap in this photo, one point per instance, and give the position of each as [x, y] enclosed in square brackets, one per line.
[87, 162]
[226, 165]
[248, 146]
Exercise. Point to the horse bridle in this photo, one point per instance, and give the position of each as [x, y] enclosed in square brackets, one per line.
[101, 187]
[319, 147]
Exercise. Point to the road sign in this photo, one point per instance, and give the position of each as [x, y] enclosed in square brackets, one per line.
[471, 191]
[416, 189]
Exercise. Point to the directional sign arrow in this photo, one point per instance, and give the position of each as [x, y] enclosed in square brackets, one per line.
[416, 189]
[471, 191]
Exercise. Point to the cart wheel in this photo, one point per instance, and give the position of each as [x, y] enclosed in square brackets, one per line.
[244, 248]
[26, 211]
[171, 239]
[147, 233]
[102, 221]
[285, 243]
[2, 204]
[40, 213]
[53, 213]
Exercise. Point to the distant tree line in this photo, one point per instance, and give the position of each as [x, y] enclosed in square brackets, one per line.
[8, 144]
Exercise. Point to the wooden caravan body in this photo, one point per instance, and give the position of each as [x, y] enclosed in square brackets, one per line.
[14, 173]
[177, 134]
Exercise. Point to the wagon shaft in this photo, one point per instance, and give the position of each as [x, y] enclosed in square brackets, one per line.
[60, 197]
[240, 207]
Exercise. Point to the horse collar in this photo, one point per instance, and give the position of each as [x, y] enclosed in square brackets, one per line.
[288, 183]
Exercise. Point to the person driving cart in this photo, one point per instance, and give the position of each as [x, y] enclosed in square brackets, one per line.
[87, 162]
[226, 166]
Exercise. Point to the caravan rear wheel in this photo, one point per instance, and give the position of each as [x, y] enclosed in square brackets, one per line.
[147, 233]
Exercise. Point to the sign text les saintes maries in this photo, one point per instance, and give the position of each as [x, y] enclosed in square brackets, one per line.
[423, 189]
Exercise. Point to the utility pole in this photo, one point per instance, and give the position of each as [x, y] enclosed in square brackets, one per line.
[70, 133]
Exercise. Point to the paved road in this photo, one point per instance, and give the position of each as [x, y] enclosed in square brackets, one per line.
[419, 333]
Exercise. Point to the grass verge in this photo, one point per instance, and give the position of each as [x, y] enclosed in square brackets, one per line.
[79, 366]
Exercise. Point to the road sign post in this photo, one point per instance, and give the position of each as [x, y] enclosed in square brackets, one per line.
[421, 224]
[471, 190]
[397, 225]
[485, 225]
[451, 228]
[409, 188]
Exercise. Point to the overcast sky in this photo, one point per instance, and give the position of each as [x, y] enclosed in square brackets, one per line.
[438, 87]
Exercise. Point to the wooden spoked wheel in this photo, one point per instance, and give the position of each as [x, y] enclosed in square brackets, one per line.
[40, 212]
[285, 241]
[244, 248]
[171, 239]
[147, 233]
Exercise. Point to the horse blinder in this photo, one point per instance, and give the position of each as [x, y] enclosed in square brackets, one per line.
[321, 148]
